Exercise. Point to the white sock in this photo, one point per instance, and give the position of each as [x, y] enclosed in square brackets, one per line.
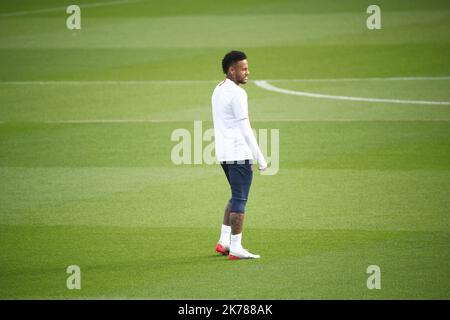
[236, 242]
[225, 234]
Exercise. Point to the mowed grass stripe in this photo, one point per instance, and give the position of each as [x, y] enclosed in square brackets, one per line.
[146, 262]
[150, 121]
[63, 9]
[169, 197]
[415, 144]
[169, 82]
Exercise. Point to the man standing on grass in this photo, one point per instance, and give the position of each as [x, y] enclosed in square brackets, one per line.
[235, 147]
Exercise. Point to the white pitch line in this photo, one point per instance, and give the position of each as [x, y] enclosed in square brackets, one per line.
[105, 82]
[351, 120]
[82, 6]
[359, 79]
[113, 121]
[265, 85]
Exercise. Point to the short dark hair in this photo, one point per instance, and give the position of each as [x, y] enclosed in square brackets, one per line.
[230, 58]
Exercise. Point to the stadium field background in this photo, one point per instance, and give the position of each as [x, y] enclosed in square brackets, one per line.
[86, 118]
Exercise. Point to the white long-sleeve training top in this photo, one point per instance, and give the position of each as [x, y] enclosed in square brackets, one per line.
[234, 138]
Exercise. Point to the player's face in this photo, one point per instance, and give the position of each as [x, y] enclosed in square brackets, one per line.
[241, 71]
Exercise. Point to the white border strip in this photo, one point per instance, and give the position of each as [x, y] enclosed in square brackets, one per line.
[82, 6]
[265, 85]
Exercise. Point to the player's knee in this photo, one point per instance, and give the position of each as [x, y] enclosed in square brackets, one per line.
[238, 205]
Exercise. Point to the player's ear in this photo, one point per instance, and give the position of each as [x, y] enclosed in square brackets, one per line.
[232, 68]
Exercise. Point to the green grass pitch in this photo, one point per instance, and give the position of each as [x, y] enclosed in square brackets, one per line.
[86, 176]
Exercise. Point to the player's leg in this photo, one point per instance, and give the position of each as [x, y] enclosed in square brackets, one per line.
[226, 214]
[241, 176]
[223, 245]
[237, 222]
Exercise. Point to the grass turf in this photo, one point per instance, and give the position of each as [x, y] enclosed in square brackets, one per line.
[359, 183]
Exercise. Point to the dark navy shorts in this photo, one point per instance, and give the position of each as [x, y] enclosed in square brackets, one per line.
[239, 175]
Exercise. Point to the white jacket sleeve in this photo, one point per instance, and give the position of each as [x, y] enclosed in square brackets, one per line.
[240, 112]
[246, 130]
